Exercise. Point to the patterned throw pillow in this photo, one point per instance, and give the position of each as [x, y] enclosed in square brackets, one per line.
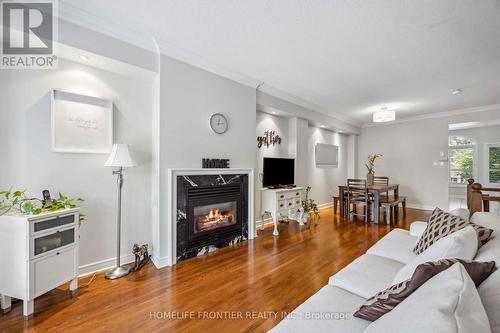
[441, 224]
[388, 299]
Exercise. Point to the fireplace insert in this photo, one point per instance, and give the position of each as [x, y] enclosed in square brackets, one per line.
[214, 213]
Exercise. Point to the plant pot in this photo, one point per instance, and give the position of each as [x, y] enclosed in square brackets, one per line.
[370, 178]
[304, 218]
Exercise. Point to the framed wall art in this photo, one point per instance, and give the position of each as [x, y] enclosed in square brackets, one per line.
[81, 124]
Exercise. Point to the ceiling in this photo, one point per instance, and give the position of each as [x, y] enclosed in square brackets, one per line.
[343, 58]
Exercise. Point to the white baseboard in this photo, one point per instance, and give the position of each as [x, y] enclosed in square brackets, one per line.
[420, 207]
[457, 196]
[325, 205]
[159, 262]
[102, 265]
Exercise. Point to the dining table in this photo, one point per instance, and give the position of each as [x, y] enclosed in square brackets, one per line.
[375, 189]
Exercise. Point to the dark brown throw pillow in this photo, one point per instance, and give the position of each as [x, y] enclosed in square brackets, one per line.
[388, 299]
[442, 224]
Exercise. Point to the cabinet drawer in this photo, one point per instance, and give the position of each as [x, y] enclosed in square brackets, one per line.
[50, 242]
[292, 203]
[54, 222]
[282, 204]
[54, 270]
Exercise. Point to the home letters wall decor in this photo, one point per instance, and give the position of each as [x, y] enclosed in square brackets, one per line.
[269, 138]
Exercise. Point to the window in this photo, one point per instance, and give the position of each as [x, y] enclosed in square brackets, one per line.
[461, 158]
[493, 163]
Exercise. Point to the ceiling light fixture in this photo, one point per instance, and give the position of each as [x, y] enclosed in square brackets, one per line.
[82, 57]
[323, 126]
[456, 91]
[384, 115]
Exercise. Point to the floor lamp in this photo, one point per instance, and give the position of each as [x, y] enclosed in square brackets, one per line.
[119, 158]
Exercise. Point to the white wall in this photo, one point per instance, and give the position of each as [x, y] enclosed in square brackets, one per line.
[28, 163]
[409, 150]
[481, 137]
[280, 126]
[324, 181]
[299, 141]
[188, 97]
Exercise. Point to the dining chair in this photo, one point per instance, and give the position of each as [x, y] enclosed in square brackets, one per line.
[382, 180]
[357, 194]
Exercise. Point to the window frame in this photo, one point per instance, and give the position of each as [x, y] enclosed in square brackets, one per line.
[472, 146]
[487, 162]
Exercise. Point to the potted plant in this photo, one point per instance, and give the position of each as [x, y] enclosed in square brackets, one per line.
[33, 206]
[309, 207]
[370, 166]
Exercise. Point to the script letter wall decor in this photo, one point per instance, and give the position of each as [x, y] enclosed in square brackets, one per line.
[269, 138]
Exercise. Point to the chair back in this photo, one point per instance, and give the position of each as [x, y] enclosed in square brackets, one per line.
[382, 180]
[356, 188]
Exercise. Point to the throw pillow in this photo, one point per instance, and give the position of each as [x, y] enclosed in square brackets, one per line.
[388, 299]
[461, 244]
[442, 224]
[463, 213]
[447, 303]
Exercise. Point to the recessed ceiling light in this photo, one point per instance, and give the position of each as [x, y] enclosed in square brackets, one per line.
[456, 91]
[384, 115]
[340, 131]
[82, 57]
[274, 112]
[323, 126]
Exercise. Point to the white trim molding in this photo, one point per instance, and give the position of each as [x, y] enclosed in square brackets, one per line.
[102, 265]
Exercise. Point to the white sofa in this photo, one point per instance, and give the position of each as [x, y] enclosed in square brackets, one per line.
[331, 309]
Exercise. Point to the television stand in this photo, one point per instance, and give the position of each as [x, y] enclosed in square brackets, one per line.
[281, 203]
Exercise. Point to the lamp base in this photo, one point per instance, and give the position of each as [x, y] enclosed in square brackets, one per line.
[117, 272]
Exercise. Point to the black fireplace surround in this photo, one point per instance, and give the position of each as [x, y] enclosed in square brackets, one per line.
[212, 212]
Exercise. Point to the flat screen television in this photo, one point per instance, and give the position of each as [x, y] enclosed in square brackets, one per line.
[278, 172]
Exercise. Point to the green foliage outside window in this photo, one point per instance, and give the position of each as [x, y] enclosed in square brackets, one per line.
[494, 164]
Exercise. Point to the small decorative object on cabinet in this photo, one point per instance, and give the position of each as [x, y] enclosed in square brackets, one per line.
[37, 254]
[282, 204]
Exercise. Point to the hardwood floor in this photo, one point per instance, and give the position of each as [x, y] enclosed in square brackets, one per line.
[260, 278]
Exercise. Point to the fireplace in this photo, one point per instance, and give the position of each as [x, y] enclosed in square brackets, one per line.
[214, 214]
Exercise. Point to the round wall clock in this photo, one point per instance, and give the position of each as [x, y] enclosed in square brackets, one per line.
[218, 123]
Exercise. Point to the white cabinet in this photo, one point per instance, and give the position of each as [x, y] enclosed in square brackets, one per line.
[280, 204]
[37, 254]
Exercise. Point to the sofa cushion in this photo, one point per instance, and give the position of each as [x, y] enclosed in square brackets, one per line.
[487, 220]
[366, 275]
[461, 244]
[441, 224]
[489, 291]
[396, 245]
[388, 299]
[448, 302]
[463, 213]
[329, 310]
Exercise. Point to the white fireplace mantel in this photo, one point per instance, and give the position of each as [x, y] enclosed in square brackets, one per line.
[170, 222]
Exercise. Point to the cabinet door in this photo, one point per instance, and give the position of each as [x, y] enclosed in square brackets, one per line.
[51, 271]
[53, 241]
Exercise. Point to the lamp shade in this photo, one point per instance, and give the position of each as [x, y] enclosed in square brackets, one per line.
[120, 157]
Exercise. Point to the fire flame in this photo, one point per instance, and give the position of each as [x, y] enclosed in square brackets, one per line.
[214, 213]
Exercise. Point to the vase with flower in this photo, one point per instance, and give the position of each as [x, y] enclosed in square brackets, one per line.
[370, 166]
